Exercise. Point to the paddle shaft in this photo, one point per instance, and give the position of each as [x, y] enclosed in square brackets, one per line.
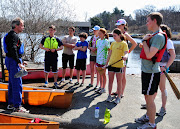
[173, 86]
[114, 62]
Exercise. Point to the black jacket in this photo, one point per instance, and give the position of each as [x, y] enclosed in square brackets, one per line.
[13, 45]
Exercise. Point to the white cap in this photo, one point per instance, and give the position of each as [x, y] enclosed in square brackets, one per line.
[96, 27]
[120, 22]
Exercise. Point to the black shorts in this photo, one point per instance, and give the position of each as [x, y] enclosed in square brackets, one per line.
[81, 64]
[65, 59]
[114, 69]
[150, 82]
[93, 58]
[51, 64]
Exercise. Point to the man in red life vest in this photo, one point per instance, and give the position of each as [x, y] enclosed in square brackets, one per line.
[154, 46]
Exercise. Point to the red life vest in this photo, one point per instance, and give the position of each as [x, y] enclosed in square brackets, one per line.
[158, 56]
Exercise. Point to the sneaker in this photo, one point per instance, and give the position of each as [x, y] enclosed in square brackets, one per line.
[98, 90]
[146, 126]
[82, 84]
[77, 83]
[102, 91]
[70, 81]
[117, 100]
[142, 119]
[89, 86]
[162, 112]
[96, 87]
[62, 81]
[10, 107]
[56, 85]
[109, 99]
[21, 109]
[46, 84]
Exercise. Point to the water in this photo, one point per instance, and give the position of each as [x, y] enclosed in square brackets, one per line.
[134, 61]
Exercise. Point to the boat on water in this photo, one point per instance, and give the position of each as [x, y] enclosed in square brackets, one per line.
[16, 122]
[38, 96]
[39, 73]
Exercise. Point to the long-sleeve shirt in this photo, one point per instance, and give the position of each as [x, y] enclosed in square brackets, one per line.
[13, 45]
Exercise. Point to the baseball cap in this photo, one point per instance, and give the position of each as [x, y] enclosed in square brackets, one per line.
[120, 22]
[96, 27]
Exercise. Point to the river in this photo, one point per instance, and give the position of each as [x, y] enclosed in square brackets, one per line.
[134, 62]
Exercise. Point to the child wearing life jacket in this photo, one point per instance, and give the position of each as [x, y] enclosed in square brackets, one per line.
[118, 51]
[102, 46]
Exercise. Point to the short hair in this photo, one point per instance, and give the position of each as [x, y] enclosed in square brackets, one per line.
[156, 15]
[83, 34]
[73, 28]
[167, 29]
[16, 21]
[52, 27]
[118, 32]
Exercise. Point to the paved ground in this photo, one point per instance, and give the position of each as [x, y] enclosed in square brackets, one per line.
[81, 114]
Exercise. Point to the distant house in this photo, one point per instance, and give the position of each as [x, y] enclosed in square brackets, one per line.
[80, 26]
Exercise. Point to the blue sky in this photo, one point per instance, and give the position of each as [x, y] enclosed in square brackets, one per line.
[89, 8]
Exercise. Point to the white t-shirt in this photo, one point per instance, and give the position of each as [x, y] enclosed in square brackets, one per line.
[102, 51]
[170, 45]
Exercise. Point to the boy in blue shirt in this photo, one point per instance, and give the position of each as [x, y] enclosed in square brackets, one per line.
[81, 57]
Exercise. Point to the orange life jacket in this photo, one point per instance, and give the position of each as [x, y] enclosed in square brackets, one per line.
[158, 56]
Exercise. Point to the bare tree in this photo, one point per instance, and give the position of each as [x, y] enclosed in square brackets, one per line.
[38, 15]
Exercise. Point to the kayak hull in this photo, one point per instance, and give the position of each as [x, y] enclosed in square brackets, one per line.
[40, 96]
[39, 73]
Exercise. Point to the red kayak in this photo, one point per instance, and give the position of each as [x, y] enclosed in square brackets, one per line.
[39, 73]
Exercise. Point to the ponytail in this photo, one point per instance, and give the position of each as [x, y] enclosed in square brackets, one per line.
[103, 30]
[106, 35]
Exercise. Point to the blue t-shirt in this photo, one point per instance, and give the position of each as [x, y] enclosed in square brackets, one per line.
[81, 54]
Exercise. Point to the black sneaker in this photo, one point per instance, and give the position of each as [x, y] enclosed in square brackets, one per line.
[77, 83]
[89, 86]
